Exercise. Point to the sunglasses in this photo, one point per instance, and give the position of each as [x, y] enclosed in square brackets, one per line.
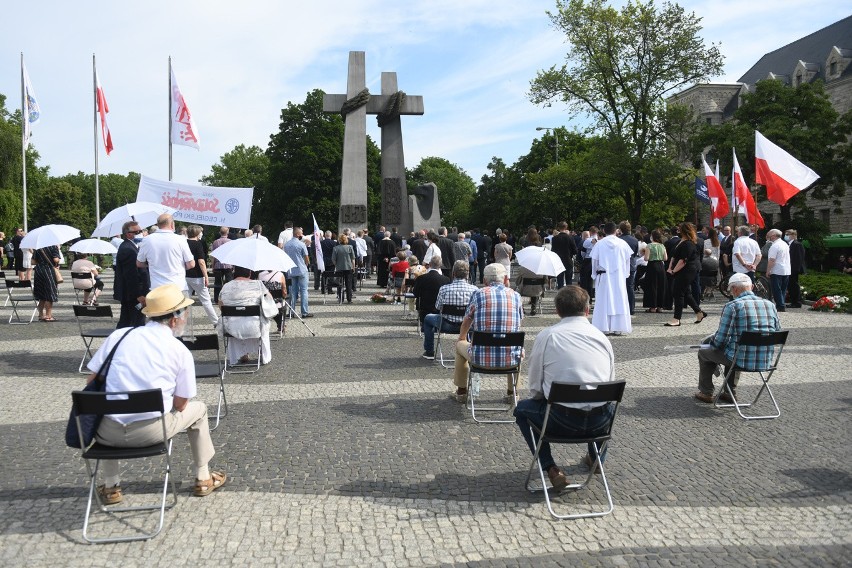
[134, 232]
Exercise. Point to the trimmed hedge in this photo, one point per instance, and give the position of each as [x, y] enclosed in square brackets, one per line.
[819, 284]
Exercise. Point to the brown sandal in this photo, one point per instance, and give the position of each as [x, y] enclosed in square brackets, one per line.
[110, 495]
[208, 486]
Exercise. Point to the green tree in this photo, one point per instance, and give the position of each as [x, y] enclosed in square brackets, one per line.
[115, 189]
[497, 195]
[241, 167]
[305, 161]
[619, 68]
[60, 202]
[456, 189]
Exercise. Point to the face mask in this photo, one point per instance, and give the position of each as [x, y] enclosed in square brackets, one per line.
[787, 238]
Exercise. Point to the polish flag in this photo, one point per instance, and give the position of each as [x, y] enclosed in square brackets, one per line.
[783, 175]
[718, 200]
[744, 199]
[184, 131]
[103, 109]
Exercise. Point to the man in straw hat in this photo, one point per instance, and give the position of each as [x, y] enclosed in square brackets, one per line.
[155, 358]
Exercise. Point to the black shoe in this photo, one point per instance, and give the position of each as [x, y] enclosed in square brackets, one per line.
[428, 355]
[794, 305]
[307, 316]
[725, 397]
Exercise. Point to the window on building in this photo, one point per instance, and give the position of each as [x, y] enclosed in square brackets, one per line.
[709, 121]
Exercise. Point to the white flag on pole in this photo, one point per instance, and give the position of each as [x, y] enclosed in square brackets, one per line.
[317, 247]
[32, 110]
[184, 131]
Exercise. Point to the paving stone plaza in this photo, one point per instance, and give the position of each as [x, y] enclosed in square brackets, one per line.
[348, 451]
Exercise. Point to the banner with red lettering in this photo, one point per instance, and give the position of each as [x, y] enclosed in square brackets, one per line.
[200, 204]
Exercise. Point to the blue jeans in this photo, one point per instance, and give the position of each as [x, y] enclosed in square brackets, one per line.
[779, 283]
[299, 291]
[430, 326]
[577, 424]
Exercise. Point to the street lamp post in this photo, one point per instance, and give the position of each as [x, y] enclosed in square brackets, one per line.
[556, 134]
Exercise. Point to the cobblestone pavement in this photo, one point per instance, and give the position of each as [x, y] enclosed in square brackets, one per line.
[347, 450]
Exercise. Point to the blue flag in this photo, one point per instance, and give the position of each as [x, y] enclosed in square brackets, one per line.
[701, 191]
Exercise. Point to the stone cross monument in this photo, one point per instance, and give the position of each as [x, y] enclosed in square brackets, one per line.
[389, 106]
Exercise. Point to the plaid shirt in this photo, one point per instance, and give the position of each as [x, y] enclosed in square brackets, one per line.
[456, 293]
[495, 308]
[746, 312]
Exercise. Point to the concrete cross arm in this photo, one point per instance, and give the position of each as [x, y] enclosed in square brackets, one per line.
[413, 104]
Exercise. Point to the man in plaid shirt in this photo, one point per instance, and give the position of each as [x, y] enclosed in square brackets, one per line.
[495, 308]
[456, 293]
[746, 312]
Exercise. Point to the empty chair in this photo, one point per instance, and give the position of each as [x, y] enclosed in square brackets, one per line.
[210, 368]
[561, 393]
[20, 292]
[124, 403]
[95, 322]
[776, 339]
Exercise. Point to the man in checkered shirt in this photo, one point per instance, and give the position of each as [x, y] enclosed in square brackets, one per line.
[456, 293]
[495, 308]
[746, 312]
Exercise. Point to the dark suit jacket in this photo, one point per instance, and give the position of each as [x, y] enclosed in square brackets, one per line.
[448, 255]
[130, 281]
[797, 258]
[563, 244]
[426, 291]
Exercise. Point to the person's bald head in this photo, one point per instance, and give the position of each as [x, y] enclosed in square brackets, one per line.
[166, 221]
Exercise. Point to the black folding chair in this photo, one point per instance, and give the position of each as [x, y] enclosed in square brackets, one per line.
[242, 312]
[601, 393]
[507, 340]
[17, 292]
[754, 339]
[447, 310]
[82, 276]
[90, 320]
[123, 403]
[209, 368]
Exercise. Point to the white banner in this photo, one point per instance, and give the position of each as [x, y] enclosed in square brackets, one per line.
[200, 204]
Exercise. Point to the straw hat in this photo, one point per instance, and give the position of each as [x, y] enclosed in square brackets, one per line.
[164, 300]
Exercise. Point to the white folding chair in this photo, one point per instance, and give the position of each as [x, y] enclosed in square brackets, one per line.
[209, 368]
[447, 310]
[242, 312]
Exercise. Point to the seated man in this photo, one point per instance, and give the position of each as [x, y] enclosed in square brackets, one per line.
[154, 358]
[571, 348]
[746, 312]
[457, 293]
[426, 288]
[495, 308]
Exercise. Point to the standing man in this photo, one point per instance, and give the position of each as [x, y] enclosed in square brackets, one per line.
[298, 253]
[746, 312]
[587, 279]
[564, 246]
[386, 251]
[726, 251]
[166, 255]
[222, 273]
[495, 308]
[447, 252]
[797, 266]
[778, 268]
[286, 234]
[131, 282]
[18, 253]
[474, 255]
[746, 252]
[457, 293]
[426, 289]
[461, 249]
[611, 266]
[485, 245]
[575, 349]
[633, 243]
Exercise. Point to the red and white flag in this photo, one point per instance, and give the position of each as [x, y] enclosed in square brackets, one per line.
[718, 200]
[783, 175]
[317, 247]
[183, 127]
[103, 109]
[744, 199]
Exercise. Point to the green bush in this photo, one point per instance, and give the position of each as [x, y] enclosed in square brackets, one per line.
[818, 284]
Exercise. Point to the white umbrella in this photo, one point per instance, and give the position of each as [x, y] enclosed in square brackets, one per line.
[93, 246]
[143, 212]
[254, 254]
[49, 235]
[540, 261]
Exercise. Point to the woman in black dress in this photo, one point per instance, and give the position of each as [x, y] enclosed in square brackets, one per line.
[684, 266]
[44, 285]
[655, 273]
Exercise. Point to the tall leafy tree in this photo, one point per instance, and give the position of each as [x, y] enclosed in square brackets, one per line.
[60, 202]
[244, 166]
[619, 68]
[115, 189]
[456, 189]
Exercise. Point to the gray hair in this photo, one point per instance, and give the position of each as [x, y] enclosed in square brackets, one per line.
[494, 273]
[743, 230]
[774, 233]
[461, 269]
[435, 262]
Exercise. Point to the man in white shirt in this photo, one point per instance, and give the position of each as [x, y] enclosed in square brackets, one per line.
[746, 253]
[572, 351]
[166, 255]
[778, 268]
[286, 234]
[154, 358]
[610, 270]
[257, 233]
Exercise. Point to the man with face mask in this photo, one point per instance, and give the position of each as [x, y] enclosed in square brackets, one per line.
[155, 358]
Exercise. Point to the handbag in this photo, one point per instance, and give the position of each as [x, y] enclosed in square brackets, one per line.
[90, 422]
[57, 276]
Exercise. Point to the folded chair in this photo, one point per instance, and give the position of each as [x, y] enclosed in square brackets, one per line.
[447, 310]
[95, 322]
[242, 312]
[123, 403]
[575, 393]
[491, 339]
[17, 292]
[210, 368]
[754, 339]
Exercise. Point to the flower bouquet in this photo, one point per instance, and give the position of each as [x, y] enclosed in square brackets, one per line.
[829, 303]
[378, 298]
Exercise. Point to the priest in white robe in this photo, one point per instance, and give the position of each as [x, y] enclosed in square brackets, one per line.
[610, 269]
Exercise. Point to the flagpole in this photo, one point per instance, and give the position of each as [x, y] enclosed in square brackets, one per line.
[170, 118]
[95, 133]
[24, 139]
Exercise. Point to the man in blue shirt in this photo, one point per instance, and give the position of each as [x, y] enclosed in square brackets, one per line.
[298, 253]
[746, 312]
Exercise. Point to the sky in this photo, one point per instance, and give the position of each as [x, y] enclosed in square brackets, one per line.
[239, 63]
